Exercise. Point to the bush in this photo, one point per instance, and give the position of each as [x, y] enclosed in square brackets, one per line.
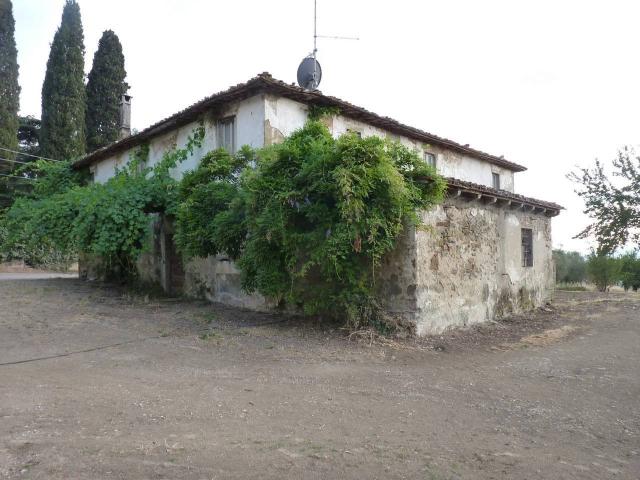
[63, 217]
[310, 223]
[630, 271]
[604, 270]
[571, 287]
[571, 267]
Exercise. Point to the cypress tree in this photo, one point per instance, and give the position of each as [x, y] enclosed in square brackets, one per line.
[9, 88]
[62, 134]
[105, 88]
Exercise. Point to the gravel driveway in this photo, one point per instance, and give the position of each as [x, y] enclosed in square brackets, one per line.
[96, 382]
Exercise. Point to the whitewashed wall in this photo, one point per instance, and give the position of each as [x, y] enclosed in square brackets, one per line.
[466, 270]
[249, 130]
[284, 116]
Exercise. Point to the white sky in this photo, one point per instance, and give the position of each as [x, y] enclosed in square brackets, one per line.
[550, 84]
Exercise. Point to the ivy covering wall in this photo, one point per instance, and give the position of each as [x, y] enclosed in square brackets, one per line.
[307, 221]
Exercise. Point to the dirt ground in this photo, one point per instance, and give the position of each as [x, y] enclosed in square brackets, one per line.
[99, 383]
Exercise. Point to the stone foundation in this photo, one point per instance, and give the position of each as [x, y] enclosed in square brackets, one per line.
[462, 267]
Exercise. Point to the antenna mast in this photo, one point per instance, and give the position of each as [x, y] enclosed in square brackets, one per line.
[309, 76]
[315, 41]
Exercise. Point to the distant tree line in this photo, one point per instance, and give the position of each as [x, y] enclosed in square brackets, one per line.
[603, 270]
[76, 117]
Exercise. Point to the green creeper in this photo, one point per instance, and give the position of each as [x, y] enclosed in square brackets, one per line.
[105, 88]
[62, 135]
[9, 88]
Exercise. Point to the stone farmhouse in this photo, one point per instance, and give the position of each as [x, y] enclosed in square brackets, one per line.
[486, 252]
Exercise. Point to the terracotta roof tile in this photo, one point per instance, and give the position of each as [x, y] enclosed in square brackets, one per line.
[455, 184]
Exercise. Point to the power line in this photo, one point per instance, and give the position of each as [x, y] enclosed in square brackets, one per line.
[15, 176]
[14, 161]
[29, 155]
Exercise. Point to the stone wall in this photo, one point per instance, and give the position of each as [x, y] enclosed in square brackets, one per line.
[464, 266]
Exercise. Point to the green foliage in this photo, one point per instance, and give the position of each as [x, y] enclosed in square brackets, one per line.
[318, 112]
[308, 221]
[311, 222]
[630, 271]
[9, 88]
[105, 88]
[38, 232]
[604, 270]
[571, 267]
[62, 136]
[614, 205]
[571, 287]
[28, 144]
[210, 215]
[64, 217]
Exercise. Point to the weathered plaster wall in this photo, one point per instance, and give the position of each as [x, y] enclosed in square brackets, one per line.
[217, 279]
[283, 116]
[463, 268]
[249, 130]
[469, 265]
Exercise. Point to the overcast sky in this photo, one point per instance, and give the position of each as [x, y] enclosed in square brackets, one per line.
[549, 84]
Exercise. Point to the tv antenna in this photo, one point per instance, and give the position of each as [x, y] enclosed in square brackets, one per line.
[310, 71]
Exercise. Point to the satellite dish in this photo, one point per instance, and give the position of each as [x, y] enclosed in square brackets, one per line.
[309, 73]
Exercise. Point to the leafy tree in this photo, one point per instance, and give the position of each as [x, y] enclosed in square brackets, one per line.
[630, 271]
[105, 88]
[28, 145]
[604, 270]
[9, 88]
[613, 204]
[570, 267]
[28, 138]
[62, 136]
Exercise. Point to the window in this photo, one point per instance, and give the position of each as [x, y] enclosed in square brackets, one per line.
[226, 134]
[430, 159]
[357, 133]
[496, 180]
[527, 247]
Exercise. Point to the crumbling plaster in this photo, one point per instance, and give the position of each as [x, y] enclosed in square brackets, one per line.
[463, 266]
[284, 116]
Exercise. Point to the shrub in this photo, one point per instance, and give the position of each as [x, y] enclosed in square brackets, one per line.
[310, 223]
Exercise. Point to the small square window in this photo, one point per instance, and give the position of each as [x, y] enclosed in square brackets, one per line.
[496, 180]
[225, 133]
[357, 133]
[430, 159]
[527, 247]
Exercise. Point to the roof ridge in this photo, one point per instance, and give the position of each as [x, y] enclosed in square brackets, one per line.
[266, 80]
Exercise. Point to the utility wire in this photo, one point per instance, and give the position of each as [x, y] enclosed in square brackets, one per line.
[14, 161]
[15, 176]
[28, 154]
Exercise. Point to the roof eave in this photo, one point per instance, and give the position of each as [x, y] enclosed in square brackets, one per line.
[265, 82]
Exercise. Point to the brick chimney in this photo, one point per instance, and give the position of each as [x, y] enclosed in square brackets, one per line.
[125, 116]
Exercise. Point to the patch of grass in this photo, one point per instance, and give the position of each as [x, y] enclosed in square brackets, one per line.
[208, 317]
[571, 287]
[210, 336]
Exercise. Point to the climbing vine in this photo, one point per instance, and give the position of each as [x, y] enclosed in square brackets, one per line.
[318, 112]
[307, 221]
[65, 216]
[310, 223]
